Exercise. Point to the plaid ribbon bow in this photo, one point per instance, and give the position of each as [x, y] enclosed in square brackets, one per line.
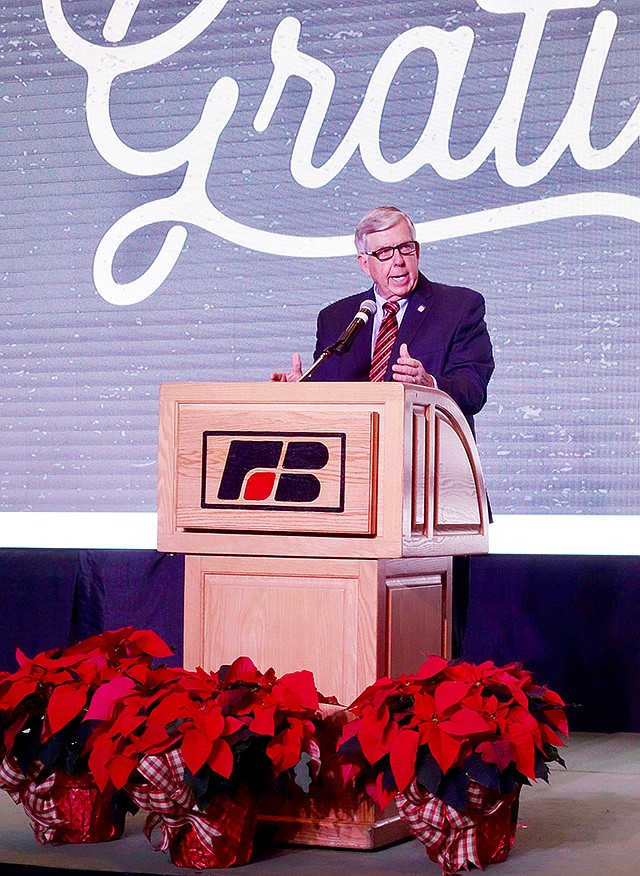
[449, 836]
[37, 799]
[168, 799]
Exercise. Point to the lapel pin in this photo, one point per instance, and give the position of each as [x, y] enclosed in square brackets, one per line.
[421, 308]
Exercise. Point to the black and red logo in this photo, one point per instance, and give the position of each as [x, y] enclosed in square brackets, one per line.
[299, 471]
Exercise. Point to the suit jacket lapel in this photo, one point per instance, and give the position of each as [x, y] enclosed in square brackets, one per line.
[357, 361]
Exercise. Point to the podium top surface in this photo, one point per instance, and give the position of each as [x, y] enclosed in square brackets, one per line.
[313, 391]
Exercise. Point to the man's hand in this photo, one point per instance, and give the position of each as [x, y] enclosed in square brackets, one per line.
[409, 370]
[289, 376]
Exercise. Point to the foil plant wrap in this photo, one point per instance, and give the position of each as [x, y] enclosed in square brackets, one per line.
[454, 840]
[219, 836]
[63, 808]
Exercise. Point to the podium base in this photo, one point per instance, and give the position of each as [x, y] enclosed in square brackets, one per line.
[365, 829]
[348, 621]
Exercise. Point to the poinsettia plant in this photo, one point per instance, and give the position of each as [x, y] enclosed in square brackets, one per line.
[43, 703]
[236, 725]
[449, 724]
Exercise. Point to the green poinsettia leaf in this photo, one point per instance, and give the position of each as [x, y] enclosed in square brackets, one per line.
[388, 781]
[485, 774]
[428, 772]
[199, 785]
[172, 726]
[453, 789]
[49, 753]
[542, 770]
[512, 778]
[27, 744]
[66, 748]
[552, 754]
[350, 748]
[121, 803]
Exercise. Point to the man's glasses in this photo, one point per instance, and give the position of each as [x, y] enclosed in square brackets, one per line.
[385, 253]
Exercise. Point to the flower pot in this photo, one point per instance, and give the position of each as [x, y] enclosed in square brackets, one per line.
[234, 819]
[70, 809]
[220, 836]
[496, 830]
[85, 813]
[62, 808]
[482, 835]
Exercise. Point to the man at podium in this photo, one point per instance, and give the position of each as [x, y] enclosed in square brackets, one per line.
[408, 328]
[405, 327]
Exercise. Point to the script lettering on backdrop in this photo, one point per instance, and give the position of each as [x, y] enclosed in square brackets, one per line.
[191, 205]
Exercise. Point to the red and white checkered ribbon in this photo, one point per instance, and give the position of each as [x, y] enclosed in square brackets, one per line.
[37, 799]
[448, 834]
[168, 799]
[384, 342]
[11, 779]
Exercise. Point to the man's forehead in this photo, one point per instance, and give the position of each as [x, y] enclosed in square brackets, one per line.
[396, 224]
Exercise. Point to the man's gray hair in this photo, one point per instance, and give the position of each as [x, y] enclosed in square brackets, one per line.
[379, 219]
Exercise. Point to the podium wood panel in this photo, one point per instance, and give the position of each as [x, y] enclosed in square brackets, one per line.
[343, 505]
[406, 459]
[418, 605]
[288, 614]
[347, 621]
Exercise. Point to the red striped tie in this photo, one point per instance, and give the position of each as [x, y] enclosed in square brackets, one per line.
[384, 342]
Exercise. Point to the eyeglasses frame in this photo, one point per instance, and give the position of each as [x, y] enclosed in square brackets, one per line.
[376, 252]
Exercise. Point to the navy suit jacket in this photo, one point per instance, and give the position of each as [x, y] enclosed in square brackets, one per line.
[443, 326]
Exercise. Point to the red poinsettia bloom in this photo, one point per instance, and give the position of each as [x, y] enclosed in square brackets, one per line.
[56, 687]
[445, 723]
[208, 716]
[454, 712]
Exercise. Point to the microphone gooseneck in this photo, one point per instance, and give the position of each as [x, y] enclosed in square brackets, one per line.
[346, 339]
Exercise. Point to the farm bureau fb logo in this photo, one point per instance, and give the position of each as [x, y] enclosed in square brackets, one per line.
[284, 471]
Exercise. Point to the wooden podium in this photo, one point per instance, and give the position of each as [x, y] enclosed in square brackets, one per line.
[319, 522]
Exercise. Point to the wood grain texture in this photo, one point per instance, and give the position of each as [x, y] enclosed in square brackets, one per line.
[412, 476]
[288, 614]
[350, 598]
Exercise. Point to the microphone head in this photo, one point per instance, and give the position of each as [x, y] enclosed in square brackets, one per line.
[368, 307]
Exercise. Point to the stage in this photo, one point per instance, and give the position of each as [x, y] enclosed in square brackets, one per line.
[584, 823]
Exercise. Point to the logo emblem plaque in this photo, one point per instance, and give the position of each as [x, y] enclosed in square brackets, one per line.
[277, 471]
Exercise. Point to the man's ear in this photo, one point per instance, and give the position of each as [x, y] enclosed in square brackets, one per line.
[363, 261]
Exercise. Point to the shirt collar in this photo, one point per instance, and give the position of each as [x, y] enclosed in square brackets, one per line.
[380, 301]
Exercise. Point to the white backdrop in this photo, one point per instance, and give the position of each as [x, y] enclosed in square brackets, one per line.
[180, 185]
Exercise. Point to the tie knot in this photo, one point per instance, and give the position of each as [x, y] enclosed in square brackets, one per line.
[391, 306]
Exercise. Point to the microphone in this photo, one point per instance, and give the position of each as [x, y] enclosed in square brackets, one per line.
[346, 339]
